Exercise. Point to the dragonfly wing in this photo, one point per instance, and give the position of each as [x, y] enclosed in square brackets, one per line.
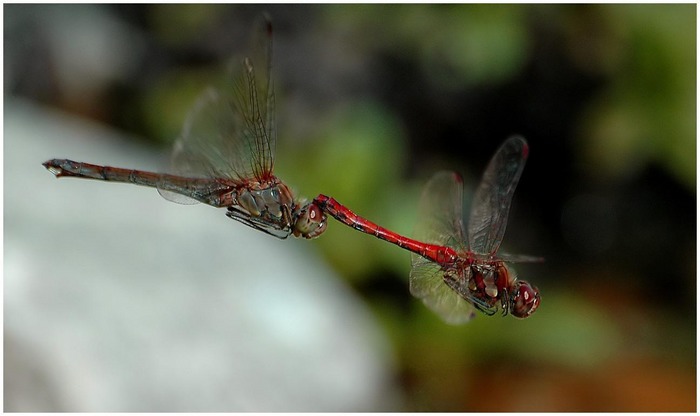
[426, 283]
[213, 141]
[176, 197]
[493, 197]
[520, 258]
[254, 99]
[439, 222]
[440, 211]
[230, 133]
[189, 190]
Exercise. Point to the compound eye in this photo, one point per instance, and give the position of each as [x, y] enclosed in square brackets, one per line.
[311, 222]
[524, 300]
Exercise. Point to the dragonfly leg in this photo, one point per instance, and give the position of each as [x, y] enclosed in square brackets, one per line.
[258, 224]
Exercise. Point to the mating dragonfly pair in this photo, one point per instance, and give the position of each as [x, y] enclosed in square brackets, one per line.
[225, 158]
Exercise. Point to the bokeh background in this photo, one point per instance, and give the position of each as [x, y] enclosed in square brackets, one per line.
[371, 100]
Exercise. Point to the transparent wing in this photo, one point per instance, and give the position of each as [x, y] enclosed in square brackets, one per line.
[426, 283]
[440, 211]
[520, 258]
[254, 97]
[230, 133]
[440, 222]
[493, 197]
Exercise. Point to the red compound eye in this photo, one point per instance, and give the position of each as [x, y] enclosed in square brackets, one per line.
[311, 222]
[524, 300]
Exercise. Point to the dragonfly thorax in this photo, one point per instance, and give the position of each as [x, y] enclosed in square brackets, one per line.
[272, 209]
[273, 203]
[268, 209]
[490, 286]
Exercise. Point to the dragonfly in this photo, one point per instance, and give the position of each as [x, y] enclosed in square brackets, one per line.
[455, 272]
[225, 154]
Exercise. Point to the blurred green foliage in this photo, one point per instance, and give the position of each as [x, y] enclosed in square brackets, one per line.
[454, 45]
[647, 113]
[180, 25]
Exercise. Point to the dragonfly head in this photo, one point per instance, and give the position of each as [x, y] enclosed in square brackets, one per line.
[524, 299]
[310, 221]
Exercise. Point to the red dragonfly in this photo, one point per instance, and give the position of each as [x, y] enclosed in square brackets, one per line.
[454, 272]
[225, 156]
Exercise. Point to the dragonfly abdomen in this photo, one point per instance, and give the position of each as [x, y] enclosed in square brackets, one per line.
[438, 254]
[208, 191]
[66, 167]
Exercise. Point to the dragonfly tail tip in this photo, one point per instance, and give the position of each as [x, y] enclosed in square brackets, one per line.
[54, 167]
